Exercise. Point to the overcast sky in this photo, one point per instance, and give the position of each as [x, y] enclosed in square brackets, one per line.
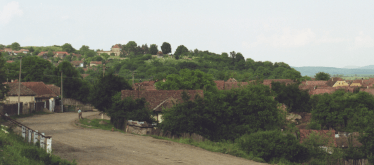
[300, 33]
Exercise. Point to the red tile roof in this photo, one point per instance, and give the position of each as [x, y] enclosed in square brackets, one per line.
[13, 90]
[317, 91]
[9, 61]
[40, 89]
[342, 140]
[323, 83]
[55, 89]
[220, 84]
[268, 81]
[146, 85]
[85, 75]
[116, 46]
[370, 90]
[96, 62]
[304, 133]
[156, 97]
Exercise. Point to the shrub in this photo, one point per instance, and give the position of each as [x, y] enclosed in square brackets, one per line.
[274, 145]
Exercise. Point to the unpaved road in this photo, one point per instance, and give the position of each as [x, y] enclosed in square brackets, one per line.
[94, 146]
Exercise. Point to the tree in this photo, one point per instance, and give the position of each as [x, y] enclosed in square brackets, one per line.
[84, 49]
[274, 145]
[15, 46]
[89, 53]
[180, 50]
[153, 49]
[105, 89]
[3, 89]
[295, 99]
[68, 48]
[31, 49]
[166, 48]
[225, 114]
[187, 79]
[35, 69]
[322, 76]
[105, 56]
[130, 47]
[128, 108]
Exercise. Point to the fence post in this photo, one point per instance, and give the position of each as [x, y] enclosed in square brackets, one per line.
[42, 140]
[30, 132]
[49, 144]
[24, 132]
[36, 136]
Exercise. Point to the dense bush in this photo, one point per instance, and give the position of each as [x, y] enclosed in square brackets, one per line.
[274, 145]
[225, 114]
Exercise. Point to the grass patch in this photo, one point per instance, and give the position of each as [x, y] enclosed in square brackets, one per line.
[225, 147]
[95, 124]
[13, 150]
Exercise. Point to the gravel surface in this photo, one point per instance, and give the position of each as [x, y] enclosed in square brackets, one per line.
[95, 146]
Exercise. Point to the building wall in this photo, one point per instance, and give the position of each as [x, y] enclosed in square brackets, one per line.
[340, 84]
[24, 99]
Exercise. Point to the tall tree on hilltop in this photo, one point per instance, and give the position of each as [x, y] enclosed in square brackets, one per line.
[15, 46]
[68, 48]
[166, 48]
[153, 49]
[322, 76]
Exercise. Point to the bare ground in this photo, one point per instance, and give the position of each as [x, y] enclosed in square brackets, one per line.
[95, 146]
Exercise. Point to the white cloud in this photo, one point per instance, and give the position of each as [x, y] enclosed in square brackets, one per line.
[362, 41]
[10, 10]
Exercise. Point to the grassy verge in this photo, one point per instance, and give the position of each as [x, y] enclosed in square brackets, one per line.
[95, 124]
[225, 147]
[13, 150]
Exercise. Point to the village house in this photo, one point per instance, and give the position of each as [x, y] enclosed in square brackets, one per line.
[43, 55]
[26, 95]
[116, 50]
[160, 99]
[15, 52]
[61, 55]
[304, 134]
[95, 63]
[43, 93]
[77, 64]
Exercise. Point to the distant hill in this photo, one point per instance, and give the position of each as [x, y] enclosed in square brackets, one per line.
[311, 70]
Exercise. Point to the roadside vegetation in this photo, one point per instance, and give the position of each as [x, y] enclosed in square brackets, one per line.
[13, 150]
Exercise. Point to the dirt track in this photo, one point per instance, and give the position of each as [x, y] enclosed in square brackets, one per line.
[94, 146]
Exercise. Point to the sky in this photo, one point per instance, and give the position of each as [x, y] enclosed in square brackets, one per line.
[299, 33]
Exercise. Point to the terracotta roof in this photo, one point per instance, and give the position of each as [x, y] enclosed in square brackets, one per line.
[85, 75]
[61, 53]
[55, 89]
[116, 46]
[323, 83]
[156, 97]
[370, 90]
[96, 62]
[40, 89]
[220, 84]
[304, 133]
[13, 90]
[342, 139]
[9, 61]
[231, 85]
[231, 80]
[268, 81]
[146, 85]
[42, 53]
[322, 90]
[75, 63]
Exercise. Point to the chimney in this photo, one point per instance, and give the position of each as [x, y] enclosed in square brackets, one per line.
[314, 87]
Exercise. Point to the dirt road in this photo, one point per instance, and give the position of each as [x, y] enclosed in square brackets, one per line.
[94, 146]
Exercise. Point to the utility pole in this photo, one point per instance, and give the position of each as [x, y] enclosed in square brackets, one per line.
[19, 84]
[7, 75]
[62, 95]
[133, 72]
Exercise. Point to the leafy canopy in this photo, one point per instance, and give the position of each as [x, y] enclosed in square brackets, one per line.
[187, 79]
